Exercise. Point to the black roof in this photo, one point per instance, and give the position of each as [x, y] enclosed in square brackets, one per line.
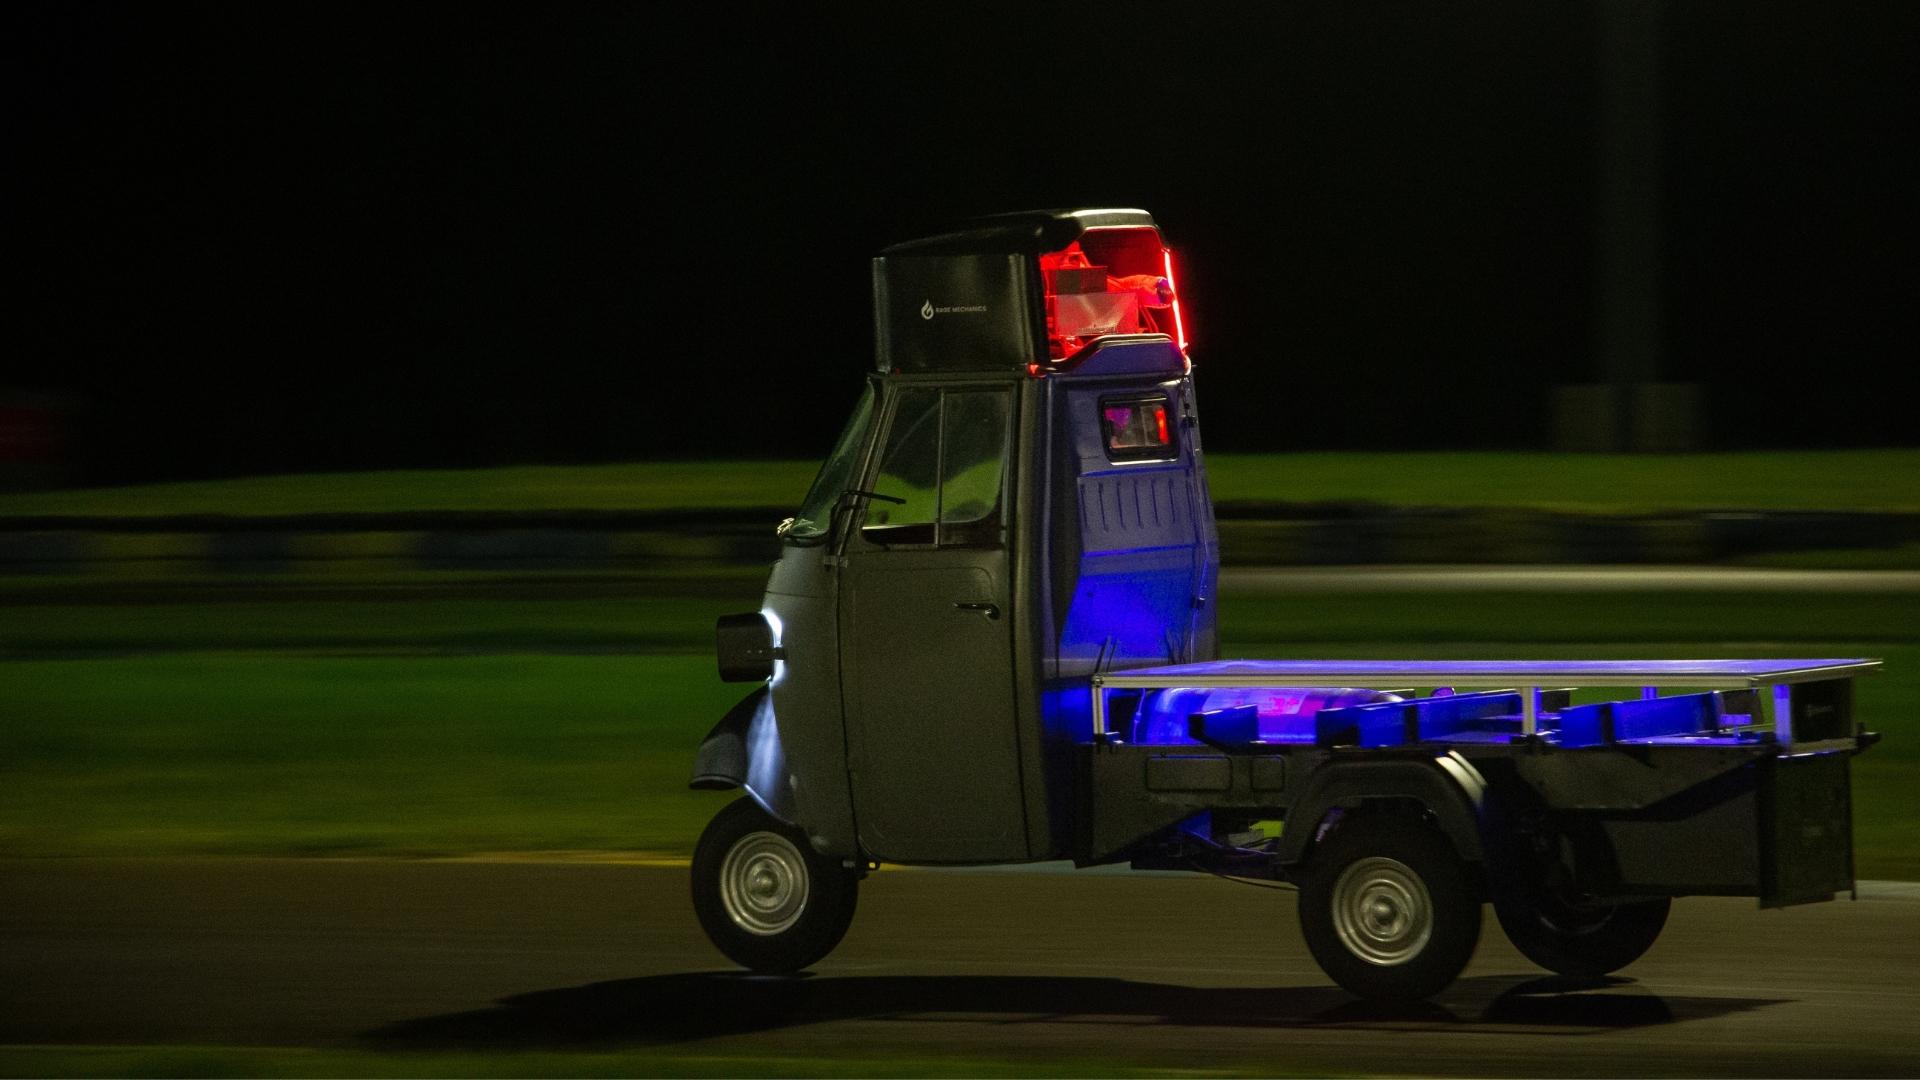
[1028, 232]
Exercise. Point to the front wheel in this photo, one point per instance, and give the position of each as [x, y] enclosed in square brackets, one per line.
[764, 896]
[1387, 908]
[1572, 939]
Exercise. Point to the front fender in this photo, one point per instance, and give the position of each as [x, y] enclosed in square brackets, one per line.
[721, 762]
[743, 751]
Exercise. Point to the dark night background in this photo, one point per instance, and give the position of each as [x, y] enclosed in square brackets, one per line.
[258, 238]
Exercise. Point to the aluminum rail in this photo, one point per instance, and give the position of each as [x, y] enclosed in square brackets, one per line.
[1527, 676]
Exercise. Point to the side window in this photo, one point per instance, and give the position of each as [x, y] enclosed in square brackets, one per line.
[909, 472]
[972, 462]
[1138, 429]
[945, 461]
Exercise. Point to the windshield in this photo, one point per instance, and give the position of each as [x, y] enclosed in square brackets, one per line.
[816, 510]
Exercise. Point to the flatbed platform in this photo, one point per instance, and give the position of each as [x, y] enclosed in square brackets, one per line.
[1771, 681]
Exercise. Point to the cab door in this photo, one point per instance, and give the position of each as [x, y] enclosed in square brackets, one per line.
[925, 632]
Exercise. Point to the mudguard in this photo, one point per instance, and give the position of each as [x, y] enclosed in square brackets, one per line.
[743, 751]
[721, 762]
[1448, 787]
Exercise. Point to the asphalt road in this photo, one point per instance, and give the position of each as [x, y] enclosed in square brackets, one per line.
[1189, 974]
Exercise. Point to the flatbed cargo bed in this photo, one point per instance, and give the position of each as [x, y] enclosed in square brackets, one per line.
[1540, 693]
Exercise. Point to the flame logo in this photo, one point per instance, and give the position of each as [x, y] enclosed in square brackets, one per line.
[926, 310]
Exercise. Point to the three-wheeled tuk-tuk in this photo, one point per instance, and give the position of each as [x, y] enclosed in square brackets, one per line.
[990, 638]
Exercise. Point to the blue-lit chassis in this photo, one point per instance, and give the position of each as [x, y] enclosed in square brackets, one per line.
[1738, 786]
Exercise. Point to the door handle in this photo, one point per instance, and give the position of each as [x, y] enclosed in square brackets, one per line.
[991, 611]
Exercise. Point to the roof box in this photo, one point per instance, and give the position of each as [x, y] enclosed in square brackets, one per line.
[1035, 292]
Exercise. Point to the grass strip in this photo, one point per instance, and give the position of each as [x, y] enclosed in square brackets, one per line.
[411, 756]
[423, 724]
[1613, 483]
[273, 754]
[466, 617]
[1586, 483]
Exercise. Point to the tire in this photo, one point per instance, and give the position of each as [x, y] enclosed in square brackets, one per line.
[1387, 908]
[765, 898]
[1574, 940]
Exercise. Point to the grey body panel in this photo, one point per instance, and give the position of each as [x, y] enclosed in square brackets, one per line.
[1128, 558]
[1026, 571]
[783, 742]
[1132, 793]
[928, 686]
[933, 753]
[1133, 548]
[805, 696]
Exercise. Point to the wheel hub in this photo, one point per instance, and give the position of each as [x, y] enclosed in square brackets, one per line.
[1382, 911]
[764, 883]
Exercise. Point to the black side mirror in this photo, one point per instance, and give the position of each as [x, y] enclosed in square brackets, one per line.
[744, 645]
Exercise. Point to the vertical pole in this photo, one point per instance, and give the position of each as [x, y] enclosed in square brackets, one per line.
[1529, 710]
[1099, 707]
[1627, 244]
[1783, 714]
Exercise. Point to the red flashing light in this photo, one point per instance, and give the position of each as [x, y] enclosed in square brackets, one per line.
[1160, 418]
[1179, 325]
[1110, 281]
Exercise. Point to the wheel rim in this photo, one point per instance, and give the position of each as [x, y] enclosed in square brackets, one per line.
[1382, 911]
[763, 883]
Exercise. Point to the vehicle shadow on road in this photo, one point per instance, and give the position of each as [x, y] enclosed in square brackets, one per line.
[676, 1008]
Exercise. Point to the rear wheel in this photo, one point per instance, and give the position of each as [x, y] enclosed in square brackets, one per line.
[1387, 908]
[764, 896]
[1573, 939]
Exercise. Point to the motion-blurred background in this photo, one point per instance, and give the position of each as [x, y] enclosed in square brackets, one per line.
[392, 397]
